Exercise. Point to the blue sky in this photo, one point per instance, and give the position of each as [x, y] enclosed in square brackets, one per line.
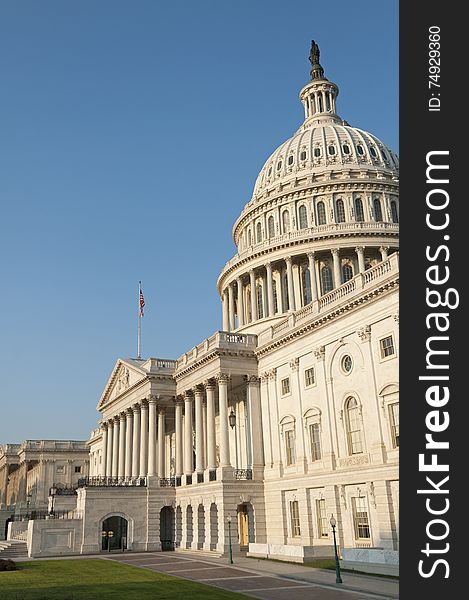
[131, 137]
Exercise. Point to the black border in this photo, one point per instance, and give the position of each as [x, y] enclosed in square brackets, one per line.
[422, 131]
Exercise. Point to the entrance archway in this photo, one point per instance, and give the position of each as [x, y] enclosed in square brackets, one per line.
[167, 528]
[245, 525]
[114, 533]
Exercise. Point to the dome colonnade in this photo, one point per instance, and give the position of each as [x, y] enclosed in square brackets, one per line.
[325, 208]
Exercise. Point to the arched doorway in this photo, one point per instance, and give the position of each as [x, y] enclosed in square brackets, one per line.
[167, 528]
[114, 533]
[245, 525]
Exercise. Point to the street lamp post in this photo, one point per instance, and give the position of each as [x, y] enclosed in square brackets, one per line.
[230, 549]
[52, 492]
[232, 422]
[338, 578]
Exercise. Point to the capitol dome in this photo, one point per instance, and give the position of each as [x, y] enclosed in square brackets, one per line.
[325, 209]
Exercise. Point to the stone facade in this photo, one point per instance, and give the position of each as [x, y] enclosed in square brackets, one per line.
[257, 435]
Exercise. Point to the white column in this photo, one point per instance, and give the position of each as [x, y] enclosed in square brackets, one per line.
[226, 316]
[280, 295]
[384, 252]
[211, 437]
[336, 263]
[143, 439]
[231, 307]
[179, 434]
[102, 470]
[115, 447]
[188, 462]
[204, 434]
[199, 452]
[291, 293]
[312, 277]
[270, 289]
[152, 437]
[255, 420]
[240, 303]
[121, 467]
[224, 434]
[110, 445]
[360, 250]
[253, 295]
[161, 443]
[128, 442]
[136, 441]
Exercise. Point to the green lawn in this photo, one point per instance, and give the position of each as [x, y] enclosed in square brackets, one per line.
[90, 579]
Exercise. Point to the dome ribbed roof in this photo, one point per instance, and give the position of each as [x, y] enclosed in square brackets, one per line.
[323, 146]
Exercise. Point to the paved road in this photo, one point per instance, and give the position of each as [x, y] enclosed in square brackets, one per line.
[264, 579]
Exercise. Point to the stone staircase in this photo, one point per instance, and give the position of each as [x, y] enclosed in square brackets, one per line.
[13, 549]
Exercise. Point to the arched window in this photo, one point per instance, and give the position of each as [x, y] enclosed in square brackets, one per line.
[326, 280]
[271, 226]
[321, 213]
[347, 272]
[306, 286]
[394, 213]
[249, 238]
[260, 305]
[317, 152]
[286, 221]
[378, 211]
[274, 286]
[340, 211]
[359, 210]
[353, 423]
[259, 233]
[303, 217]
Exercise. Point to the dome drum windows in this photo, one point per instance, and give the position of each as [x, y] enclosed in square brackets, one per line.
[340, 211]
[394, 212]
[258, 233]
[360, 150]
[347, 272]
[331, 150]
[271, 226]
[303, 155]
[303, 217]
[317, 152]
[279, 165]
[286, 221]
[291, 160]
[321, 213]
[327, 283]
[377, 210]
[346, 149]
[359, 215]
[373, 152]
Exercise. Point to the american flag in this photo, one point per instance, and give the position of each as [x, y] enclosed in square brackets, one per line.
[142, 302]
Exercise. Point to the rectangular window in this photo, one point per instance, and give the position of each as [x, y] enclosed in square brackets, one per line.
[295, 519]
[386, 346]
[315, 440]
[309, 377]
[285, 383]
[394, 421]
[323, 528]
[290, 447]
[361, 523]
[78, 469]
[61, 469]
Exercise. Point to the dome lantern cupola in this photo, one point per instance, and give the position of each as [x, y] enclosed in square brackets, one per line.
[319, 95]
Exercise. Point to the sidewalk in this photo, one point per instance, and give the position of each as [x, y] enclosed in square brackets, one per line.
[353, 581]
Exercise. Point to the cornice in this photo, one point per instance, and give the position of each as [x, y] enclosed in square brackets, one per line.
[355, 304]
[216, 354]
[294, 243]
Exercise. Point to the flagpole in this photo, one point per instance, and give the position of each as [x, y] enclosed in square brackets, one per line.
[139, 320]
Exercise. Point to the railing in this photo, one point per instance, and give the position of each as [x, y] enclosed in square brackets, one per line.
[112, 482]
[64, 490]
[242, 474]
[318, 231]
[53, 445]
[221, 339]
[36, 515]
[165, 364]
[358, 282]
[167, 482]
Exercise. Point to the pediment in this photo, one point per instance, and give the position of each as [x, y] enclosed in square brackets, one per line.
[126, 373]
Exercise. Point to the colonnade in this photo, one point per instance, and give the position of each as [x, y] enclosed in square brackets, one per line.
[240, 308]
[134, 441]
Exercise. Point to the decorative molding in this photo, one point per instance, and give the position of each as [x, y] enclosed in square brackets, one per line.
[251, 379]
[343, 496]
[320, 353]
[396, 317]
[352, 461]
[295, 364]
[123, 379]
[364, 333]
[222, 378]
[371, 492]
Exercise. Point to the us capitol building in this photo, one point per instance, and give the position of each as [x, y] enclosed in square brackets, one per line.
[287, 415]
